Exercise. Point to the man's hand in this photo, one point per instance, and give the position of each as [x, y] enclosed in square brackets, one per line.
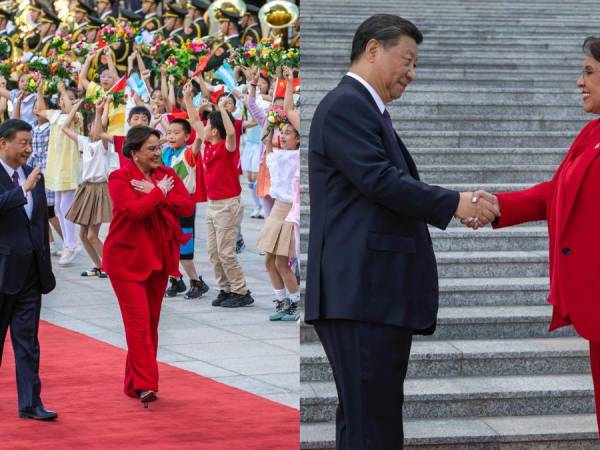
[472, 222]
[477, 208]
[33, 179]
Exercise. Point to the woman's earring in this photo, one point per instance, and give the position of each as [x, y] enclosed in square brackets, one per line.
[137, 159]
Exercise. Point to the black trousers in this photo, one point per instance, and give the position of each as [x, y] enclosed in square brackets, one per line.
[21, 312]
[369, 363]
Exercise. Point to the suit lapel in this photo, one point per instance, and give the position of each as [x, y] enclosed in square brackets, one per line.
[392, 141]
[580, 167]
[5, 179]
[8, 184]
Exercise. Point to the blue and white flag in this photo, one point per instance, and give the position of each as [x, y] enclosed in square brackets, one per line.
[137, 85]
[226, 74]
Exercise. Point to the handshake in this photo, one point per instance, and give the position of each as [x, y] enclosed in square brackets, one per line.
[477, 209]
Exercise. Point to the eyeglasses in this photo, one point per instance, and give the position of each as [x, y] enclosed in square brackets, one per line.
[154, 149]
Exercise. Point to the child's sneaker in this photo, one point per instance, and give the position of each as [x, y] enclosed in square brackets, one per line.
[177, 287]
[238, 300]
[291, 314]
[197, 289]
[221, 298]
[280, 307]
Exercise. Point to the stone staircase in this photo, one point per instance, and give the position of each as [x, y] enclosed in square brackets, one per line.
[494, 106]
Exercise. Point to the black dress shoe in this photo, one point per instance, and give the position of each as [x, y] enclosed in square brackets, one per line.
[37, 413]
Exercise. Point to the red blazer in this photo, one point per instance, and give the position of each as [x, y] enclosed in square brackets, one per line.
[571, 206]
[145, 234]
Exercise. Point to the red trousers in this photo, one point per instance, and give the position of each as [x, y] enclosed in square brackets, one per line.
[140, 303]
[595, 364]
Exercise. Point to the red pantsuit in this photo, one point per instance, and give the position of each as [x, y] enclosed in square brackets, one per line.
[140, 304]
[569, 203]
[140, 252]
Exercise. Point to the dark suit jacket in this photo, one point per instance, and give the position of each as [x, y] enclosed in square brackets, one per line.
[370, 256]
[20, 237]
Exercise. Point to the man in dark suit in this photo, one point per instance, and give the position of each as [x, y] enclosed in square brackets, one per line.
[371, 276]
[25, 268]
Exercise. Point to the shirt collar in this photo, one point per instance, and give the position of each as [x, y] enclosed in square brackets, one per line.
[371, 90]
[176, 31]
[41, 127]
[8, 169]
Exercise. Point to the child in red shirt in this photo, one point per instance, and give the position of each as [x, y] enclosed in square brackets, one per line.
[220, 161]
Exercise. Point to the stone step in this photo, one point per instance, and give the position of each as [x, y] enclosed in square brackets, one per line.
[489, 264]
[514, 173]
[465, 358]
[503, 264]
[455, 397]
[464, 139]
[492, 123]
[436, 45]
[451, 112]
[548, 432]
[461, 239]
[483, 322]
[484, 139]
[460, 54]
[456, 292]
[509, 97]
[491, 156]
[486, 239]
[486, 174]
[472, 156]
[340, 62]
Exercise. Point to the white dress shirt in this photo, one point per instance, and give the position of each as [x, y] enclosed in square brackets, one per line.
[28, 195]
[371, 90]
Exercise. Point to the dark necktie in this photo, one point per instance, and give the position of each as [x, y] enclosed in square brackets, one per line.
[388, 120]
[15, 179]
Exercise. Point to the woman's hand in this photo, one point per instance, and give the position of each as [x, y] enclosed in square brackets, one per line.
[144, 186]
[166, 184]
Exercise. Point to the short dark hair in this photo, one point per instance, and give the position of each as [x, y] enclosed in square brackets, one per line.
[385, 28]
[136, 136]
[227, 94]
[9, 128]
[139, 110]
[187, 128]
[216, 121]
[591, 47]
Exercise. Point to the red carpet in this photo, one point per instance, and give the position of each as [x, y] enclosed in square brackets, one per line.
[82, 380]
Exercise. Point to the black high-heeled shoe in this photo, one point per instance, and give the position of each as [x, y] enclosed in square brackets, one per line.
[147, 397]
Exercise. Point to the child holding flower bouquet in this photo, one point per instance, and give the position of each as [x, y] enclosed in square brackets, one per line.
[278, 237]
[95, 91]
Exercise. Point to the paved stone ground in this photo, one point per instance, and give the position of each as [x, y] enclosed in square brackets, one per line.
[238, 347]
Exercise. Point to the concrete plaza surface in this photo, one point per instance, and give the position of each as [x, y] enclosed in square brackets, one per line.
[238, 347]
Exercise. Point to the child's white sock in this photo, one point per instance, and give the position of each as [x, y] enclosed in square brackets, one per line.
[279, 294]
[295, 297]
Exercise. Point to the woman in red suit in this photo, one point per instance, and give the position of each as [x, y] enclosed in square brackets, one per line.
[142, 250]
[570, 204]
